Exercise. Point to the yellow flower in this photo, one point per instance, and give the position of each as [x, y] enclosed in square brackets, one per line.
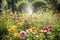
[6, 37]
[17, 35]
[31, 29]
[19, 24]
[12, 30]
[28, 17]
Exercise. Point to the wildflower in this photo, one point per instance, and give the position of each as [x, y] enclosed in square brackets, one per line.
[49, 27]
[22, 33]
[31, 29]
[18, 18]
[17, 35]
[6, 37]
[19, 24]
[44, 30]
[29, 17]
[12, 30]
[25, 20]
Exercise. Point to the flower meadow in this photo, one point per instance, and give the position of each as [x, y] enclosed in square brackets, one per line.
[26, 27]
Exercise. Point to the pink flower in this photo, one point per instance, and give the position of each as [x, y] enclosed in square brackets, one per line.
[49, 27]
[22, 33]
[18, 18]
[25, 20]
[44, 28]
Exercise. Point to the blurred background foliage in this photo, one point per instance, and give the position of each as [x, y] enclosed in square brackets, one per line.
[15, 5]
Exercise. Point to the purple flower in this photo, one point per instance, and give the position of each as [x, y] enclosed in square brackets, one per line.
[22, 33]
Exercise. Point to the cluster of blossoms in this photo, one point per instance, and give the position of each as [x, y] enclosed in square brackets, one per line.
[47, 28]
[21, 26]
